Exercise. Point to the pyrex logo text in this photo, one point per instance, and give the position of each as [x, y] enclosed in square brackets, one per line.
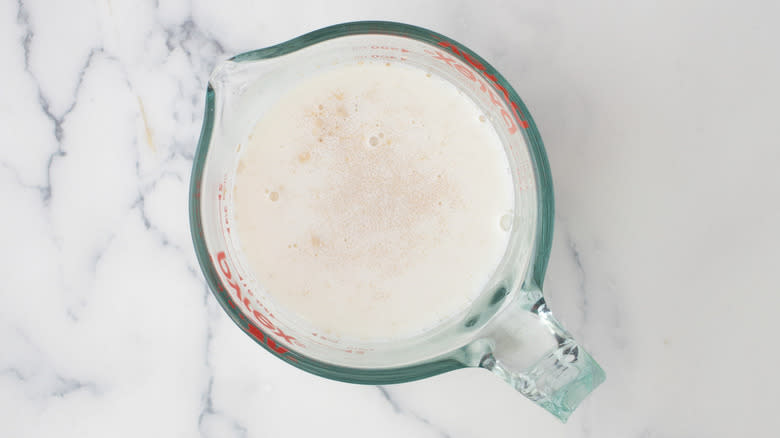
[511, 120]
[224, 267]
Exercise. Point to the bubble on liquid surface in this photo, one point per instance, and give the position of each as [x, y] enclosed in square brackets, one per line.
[273, 196]
[373, 141]
[506, 222]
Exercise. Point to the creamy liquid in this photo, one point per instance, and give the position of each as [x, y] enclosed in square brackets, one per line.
[373, 201]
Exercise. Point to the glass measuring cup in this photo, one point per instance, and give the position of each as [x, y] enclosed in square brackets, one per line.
[508, 329]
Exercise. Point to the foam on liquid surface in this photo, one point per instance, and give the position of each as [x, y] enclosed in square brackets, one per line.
[369, 201]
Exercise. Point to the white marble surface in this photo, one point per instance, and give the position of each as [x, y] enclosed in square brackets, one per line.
[661, 123]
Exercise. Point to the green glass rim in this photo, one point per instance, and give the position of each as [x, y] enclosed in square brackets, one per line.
[375, 376]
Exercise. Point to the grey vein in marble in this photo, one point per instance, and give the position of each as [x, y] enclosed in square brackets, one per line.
[398, 409]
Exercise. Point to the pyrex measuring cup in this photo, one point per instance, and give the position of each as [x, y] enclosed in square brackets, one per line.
[508, 329]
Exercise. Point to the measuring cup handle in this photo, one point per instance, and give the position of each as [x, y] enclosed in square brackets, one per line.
[532, 352]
